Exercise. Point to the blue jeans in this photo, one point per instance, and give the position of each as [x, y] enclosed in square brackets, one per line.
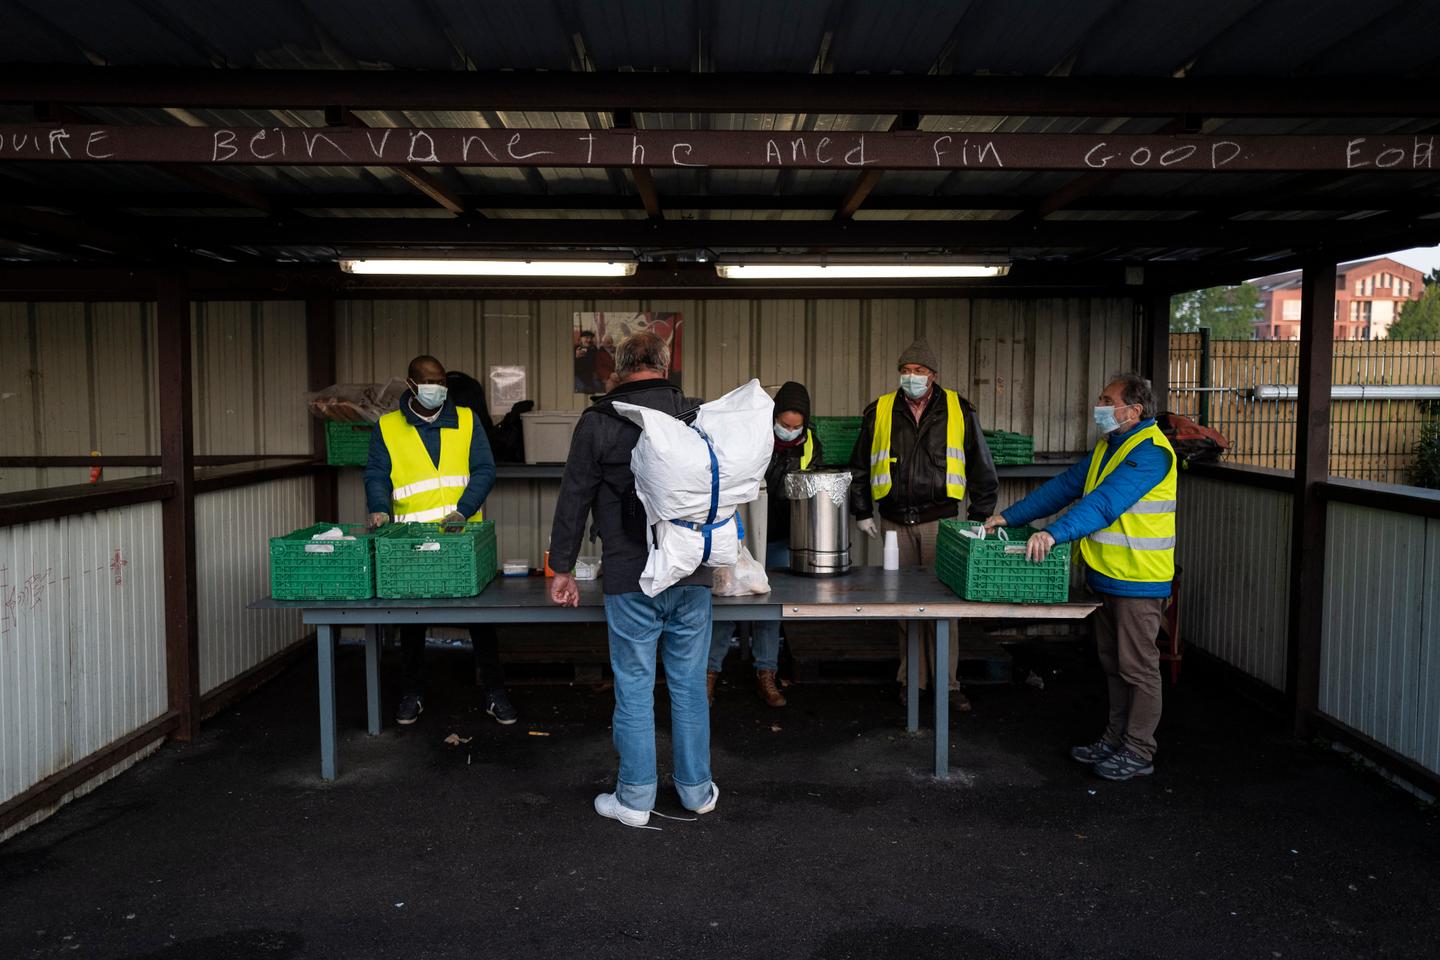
[764, 634]
[676, 624]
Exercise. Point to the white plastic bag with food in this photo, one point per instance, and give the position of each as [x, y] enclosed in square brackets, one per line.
[747, 576]
[691, 477]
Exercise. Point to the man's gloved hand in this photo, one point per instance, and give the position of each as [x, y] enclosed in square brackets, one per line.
[454, 520]
[378, 520]
[994, 523]
[869, 528]
[1037, 548]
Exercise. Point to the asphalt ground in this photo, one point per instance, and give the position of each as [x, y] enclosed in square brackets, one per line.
[831, 839]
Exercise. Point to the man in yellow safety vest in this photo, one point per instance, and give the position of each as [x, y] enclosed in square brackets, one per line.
[1124, 522]
[430, 462]
[923, 453]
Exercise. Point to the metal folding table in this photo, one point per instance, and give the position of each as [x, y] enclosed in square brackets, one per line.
[869, 593]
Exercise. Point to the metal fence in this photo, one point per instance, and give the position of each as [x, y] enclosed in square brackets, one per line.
[1225, 384]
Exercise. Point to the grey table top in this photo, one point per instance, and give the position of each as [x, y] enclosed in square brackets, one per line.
[866, 593]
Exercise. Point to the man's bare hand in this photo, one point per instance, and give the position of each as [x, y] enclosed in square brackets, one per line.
[564, 591]
[1037, 548]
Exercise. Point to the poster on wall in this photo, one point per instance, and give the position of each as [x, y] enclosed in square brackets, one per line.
[596, 334]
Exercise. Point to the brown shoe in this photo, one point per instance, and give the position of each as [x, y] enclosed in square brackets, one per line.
[765, 686]
[710, 677]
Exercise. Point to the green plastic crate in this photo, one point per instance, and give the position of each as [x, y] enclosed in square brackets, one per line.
[461, 565]
[837, 437]
[996, 571]
[305, 569]
[1008, 449]
[347, 444]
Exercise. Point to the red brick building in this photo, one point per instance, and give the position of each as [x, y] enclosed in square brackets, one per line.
[1368, 295]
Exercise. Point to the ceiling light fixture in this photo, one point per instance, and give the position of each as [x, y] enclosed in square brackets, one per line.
[860, 271]
[490, 268]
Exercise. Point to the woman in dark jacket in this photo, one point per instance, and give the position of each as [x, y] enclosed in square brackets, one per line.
[796, 448]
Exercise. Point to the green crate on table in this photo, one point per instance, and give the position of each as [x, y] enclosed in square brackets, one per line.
[1009, 449]
[302, 568]
[459, 564]
[347, 444]
[837, 437]
[995, 570]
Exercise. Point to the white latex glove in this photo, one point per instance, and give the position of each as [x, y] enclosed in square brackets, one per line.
[870, 528]
[378, 520]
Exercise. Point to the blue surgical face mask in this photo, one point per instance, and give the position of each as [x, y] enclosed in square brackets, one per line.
[431, 395]
[1105, 419]
[786, 434]
[914, 385]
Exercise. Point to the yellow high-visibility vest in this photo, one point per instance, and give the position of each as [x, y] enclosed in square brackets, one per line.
[1140, 545]
[881, 482]
[421, 491]
[807, 454]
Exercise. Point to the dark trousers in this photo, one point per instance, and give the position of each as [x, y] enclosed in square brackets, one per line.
[489, 674]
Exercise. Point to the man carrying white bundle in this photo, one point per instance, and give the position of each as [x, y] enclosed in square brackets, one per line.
[675, 623]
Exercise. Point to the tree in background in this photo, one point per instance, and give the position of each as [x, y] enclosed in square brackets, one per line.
[1230, 312]
[1420, 319]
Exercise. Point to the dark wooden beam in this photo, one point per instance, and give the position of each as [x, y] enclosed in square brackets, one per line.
[1156, 306]
[417, 177]
[1318, 97]
[642, 178]
[1312, 469]
[320, 367]
[867, 180]
[177, 465]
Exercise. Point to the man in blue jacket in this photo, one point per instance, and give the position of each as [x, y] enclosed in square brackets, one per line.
[1124, 522]
[430, 462]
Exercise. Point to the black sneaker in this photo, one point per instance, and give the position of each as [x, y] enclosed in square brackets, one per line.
[498, 705]
[409, 710]
[1093, 753]
[1124, 764]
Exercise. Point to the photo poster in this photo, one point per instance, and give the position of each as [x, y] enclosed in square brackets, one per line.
[594, 338]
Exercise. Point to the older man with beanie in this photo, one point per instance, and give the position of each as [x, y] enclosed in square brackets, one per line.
[919, 455]
[796, 448]
[673, 625]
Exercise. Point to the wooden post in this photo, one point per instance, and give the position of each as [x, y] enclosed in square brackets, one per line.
[1312, 468]
[1157, 346]
[177, 464]
[320, 351]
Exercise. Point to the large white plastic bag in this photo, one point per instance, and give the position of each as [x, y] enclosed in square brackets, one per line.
[747, 576]
[671, 465]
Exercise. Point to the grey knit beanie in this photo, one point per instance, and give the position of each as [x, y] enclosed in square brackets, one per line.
[919, 352]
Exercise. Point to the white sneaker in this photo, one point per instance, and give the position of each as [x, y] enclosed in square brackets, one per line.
[608, 805]
[709, 805]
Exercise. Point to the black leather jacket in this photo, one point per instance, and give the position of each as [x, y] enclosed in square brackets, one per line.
[918, 494]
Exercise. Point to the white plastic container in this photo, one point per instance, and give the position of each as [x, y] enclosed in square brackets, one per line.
[892, 550]
[547, 434]
[587, 568]
[515, 568]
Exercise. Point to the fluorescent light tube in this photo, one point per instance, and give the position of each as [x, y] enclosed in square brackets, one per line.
[859, 271]
[490, 268]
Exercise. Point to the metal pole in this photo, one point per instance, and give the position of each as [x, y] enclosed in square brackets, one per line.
[1204, 399]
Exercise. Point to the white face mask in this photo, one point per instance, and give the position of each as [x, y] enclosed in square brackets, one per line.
[431, 395]
[786, 434]
[914, 385]
[1106, 419]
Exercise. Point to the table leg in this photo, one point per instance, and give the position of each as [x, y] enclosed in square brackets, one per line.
[912, 676]
[372, 679]
[329, 742]
[942, 699]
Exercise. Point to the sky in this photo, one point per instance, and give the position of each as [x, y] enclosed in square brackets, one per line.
[1423, 259]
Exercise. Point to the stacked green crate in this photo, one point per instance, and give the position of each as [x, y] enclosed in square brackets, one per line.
[1010, 449]
[429, 560]
[347, 444]
[303, 568]
[837, 437]
[996, 570]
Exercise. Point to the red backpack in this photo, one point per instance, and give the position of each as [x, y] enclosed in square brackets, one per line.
[1192, 442]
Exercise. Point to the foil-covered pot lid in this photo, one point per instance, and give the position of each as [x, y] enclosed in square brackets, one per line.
[804, 484]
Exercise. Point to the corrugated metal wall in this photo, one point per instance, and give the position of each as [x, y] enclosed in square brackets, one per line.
[1380, 666]
[1031, 366]
[1234, 556]
[232, 566]
[77, 377]
[82, 638]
